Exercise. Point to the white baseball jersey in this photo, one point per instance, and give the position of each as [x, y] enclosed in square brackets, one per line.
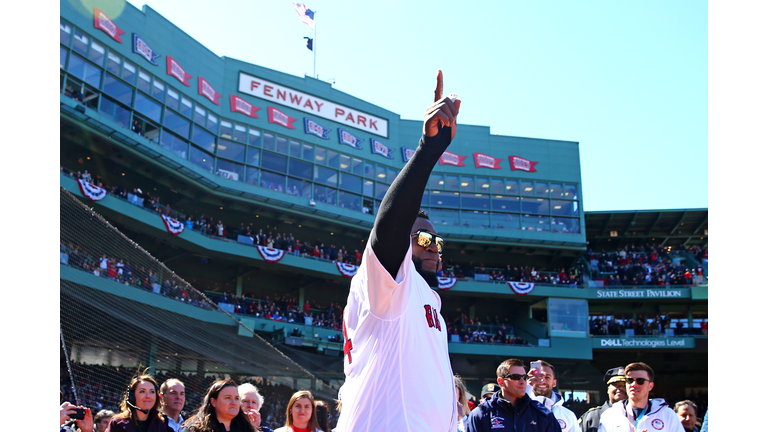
[398, 373]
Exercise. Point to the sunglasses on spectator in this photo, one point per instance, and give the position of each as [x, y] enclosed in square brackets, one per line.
[426, 238]
[517, 377]
[640, 381]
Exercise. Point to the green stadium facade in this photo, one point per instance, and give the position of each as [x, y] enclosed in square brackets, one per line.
[243, 143]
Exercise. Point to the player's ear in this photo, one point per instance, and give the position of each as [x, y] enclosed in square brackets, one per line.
[499, 380]
[650, 387]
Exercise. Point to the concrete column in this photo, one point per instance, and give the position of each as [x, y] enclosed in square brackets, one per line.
[239, 290]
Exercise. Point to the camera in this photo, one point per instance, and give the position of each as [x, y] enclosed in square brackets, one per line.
[79, 414]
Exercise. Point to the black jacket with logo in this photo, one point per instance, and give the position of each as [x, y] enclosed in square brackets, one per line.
[498, 415]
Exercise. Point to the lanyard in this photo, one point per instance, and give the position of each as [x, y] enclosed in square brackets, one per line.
[642, 413]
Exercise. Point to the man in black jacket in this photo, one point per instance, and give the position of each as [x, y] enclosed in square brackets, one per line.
[511, 409]
[617, 391]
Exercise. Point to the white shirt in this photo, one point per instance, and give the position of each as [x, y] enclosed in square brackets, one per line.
[398, 373]
[566, 419]
[173, 425]
[659, 418]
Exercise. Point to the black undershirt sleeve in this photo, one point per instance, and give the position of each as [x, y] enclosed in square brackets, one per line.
[390, 237]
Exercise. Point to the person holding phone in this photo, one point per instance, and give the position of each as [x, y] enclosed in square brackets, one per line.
[511, 409]
[541, 384]
[395, 336]
[71, 415]
[639, 411]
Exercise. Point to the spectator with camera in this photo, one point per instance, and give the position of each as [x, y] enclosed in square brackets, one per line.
[74, 418]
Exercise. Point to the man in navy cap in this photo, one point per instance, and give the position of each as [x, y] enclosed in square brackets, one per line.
[617, 391]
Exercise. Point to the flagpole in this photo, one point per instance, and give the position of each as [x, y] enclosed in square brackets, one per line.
[314, 51]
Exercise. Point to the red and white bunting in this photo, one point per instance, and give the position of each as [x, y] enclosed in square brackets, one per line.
[94, 193]
[172, 225]
[347, 270]
[521, 288]
[270, 254]
[445, 283]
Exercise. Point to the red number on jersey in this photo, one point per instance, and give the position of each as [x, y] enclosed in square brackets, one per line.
[430, 318]
[347, 343]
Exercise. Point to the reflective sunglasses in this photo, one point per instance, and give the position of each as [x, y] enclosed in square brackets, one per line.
[426, 238]
[640, 381]
[517, 377]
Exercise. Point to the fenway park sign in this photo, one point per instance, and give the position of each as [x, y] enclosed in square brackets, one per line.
[310, 104]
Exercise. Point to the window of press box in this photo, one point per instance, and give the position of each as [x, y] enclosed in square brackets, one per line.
[368, 187]
[333, 159]
[226, 129]
[115, 111]
[272, 181]
[80, 43]
[474, 219]
[229, 170]
[65, 33]
[129, 73]
[81, 92]
[391, 174]
[535, 206]
[451, 182]
[542, 189]
[113, 63]
[467, 184]
[97, 53]
[203, 138]
[381, 190]
[252, 176]
[350, 201]
[268, 142]
[483, 184]
[148, 107]
[568, 317]
[443, 199]
[565, 225]
[357, 166]
[201, 158]
[240, 133]
[444, 216]
[370, 170]
[158, 90]
[381, 173]
[62, 56]
[326, 176]
[231, 150]
[475, 201]
[505, 203]
[174, 144]
[513, 187]
[149, 130]
[571, 191]
[526, 188]
[254, 137]
[300, 168]
[308, 152]
[346, 163]
[186, 107]
[200, 115]
[85, 71]
[274, 162]
[281, 145]
[535, 223]
[213, 123]
[253, 155]
[565, 208]
[324, 195]
[300, 188]
[117, 89]
[295, 149]
[145, 82]
[351, 183]
[556, 190]
[505, 221]
[497, 186]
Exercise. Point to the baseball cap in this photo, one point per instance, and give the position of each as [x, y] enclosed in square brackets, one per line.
[490, 389]
[615, 374]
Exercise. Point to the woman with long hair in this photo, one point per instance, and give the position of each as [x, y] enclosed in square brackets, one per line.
[140, 408]
[220, 411]
[301, 414]
[461, 401]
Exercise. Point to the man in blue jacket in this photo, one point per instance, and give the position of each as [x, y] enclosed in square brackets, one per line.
[511, 409]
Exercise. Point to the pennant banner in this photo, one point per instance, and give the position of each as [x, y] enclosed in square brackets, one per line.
[238, 104]
[347, 138]
[347, 270]
[485, 161]
[378, 147]
[94, 193]
[315, 128]
[270, 254]
[207, 90]
[521, 288]
[172, 225]
[407, 153]
[102, 22]
[449, 158]
[281, 118]
[518, 163]
[141, 48]
[446, 283]
[175, 70]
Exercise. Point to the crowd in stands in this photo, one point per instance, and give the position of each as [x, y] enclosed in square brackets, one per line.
[497, 331]
[658, 325]
[285, 309]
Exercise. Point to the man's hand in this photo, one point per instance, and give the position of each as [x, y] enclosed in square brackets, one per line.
[86, 424]
[254, 417]
[441, 113]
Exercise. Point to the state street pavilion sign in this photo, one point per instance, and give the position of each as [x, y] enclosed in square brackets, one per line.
[309, 104]
[641, 293]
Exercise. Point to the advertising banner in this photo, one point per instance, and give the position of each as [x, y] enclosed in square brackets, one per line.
[651, 343]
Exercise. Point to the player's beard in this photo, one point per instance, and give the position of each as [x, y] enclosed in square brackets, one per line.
[429, 277]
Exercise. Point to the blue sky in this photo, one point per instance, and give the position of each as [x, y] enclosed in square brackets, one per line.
[627, 80]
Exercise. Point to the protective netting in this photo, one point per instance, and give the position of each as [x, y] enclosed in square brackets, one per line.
[121, 309]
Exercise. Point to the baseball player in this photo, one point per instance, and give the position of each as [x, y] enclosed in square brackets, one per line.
[398, 373]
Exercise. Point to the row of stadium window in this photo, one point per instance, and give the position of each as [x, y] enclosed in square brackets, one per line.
[138, 101]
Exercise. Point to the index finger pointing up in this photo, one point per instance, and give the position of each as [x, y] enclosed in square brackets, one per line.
[439, 86]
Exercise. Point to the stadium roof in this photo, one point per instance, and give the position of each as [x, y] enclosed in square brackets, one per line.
[673, 227]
